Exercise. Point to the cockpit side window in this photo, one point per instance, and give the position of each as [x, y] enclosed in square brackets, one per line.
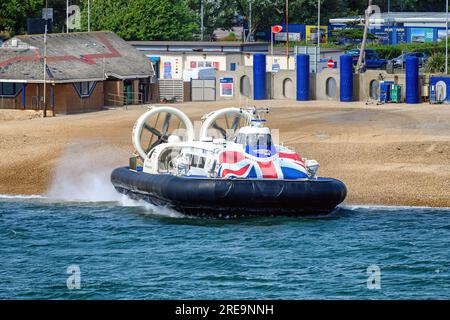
[240, 138]
[165, 159]
[197, 161]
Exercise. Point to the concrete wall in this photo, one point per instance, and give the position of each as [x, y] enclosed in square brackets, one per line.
[236, 76]
[279, 85]
[280, 59]
[277, 89]
[206, 59]
[321, 84]
[234, 58]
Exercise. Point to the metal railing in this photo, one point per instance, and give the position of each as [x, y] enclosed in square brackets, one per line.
[123, 100]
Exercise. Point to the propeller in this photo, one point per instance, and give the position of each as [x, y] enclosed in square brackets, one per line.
[225, 121]
[222, 131]
[148, 133]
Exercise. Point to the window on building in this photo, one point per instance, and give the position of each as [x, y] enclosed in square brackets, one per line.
[9, 88]
[85, 88]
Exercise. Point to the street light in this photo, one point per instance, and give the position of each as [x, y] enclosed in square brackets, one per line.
[318, 36]
[446, 36]
[201, 18]
[89, 16]
[249, 21]
[45, 59]
[287, 34]
[67, 16]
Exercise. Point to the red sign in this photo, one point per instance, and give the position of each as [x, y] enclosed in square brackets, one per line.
[277, 28]
[330, 63]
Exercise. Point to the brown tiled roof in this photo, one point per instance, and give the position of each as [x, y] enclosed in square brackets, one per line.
[72, 57]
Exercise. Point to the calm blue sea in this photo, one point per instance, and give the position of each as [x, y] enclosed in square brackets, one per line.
[135, 251]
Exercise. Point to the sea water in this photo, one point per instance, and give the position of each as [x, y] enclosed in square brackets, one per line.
[122, 249]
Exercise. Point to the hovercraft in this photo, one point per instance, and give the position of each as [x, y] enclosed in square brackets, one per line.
[234, 167]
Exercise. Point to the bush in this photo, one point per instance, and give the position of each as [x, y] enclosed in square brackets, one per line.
[393, 51]
[231, 36]
[352, 34]
[436, 63]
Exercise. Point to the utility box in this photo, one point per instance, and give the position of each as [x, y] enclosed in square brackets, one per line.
[396, 93]
[385, 89]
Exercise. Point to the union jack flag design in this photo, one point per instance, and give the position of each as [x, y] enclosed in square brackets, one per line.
[283, 165]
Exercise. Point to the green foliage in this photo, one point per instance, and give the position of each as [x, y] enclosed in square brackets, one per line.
[142, 19]
[14, 14]
[231, 36]
[265, 13]
[393, 51]
[352, 34]
[180, 19]
[436, 63]
[218, 14]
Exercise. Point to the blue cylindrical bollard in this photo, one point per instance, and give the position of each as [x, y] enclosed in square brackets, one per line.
[302, 69]
[412, 80]
[346, 81]
[259, 76]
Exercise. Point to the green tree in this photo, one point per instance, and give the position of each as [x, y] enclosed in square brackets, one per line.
[142, 19]
[218, 14]
[14, 14]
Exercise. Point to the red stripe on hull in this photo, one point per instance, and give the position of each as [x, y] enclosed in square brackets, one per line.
[268, 169]
[231, 157]
[239, 172]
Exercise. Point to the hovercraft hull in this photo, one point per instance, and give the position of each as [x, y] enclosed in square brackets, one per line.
[231, 197]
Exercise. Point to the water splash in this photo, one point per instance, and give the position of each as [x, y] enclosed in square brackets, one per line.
[150, 208]
[83, 175]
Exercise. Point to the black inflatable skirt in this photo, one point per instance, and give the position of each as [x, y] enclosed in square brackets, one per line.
[231, 197]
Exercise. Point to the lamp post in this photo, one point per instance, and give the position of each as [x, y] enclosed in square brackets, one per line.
[287, 34]
[67, 16]
[446, 36]
[89, 16]
[201, 19]
[318, 36]
[45, 59]
[249, 21]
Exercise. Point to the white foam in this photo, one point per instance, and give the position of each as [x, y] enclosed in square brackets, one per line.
[149, 208]
[21, 196]
[389, 208]
[83, 174]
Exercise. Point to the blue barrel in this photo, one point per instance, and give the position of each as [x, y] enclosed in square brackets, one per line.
[346, 81]
[259, 76]
[412, 79]
[302, 77]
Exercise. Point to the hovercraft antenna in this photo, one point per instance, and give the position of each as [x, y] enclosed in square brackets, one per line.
[255, 115]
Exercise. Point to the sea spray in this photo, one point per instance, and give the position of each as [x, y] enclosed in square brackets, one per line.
[83, 173]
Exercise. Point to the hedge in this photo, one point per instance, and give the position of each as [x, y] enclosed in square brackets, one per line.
[393, 51]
